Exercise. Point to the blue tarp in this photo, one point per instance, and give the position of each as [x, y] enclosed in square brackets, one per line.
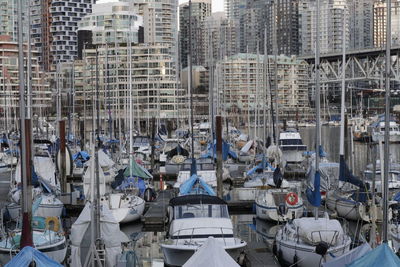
[81, 155]
[322, 153]
[226, 151]
[195, 185]
[314, 195]
[380, 256]
[133, 182]
[397, 197]
[29, 254]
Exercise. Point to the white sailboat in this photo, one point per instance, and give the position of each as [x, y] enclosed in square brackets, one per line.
[312, 241]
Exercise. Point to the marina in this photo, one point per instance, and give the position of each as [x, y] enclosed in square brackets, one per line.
[193, 143]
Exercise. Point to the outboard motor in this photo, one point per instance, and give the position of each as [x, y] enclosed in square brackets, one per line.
[322, 248]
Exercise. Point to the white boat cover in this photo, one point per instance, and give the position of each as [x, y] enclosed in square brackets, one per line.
[211, 254]
[44, 168]
[87, 179]
[243, 137]
[313, 231]
[247, 146]
[349, 257]
[109, 230]
[104, 160]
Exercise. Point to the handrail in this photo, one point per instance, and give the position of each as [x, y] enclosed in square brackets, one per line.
[192, 229]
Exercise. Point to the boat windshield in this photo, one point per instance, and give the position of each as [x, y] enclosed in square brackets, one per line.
[288, 142]
[201, 211]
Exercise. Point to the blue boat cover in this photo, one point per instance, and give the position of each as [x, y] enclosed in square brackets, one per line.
[380, 256]
[130, 182]
[226, 151]
[29, 254]
[261, 166]
[81, 155]
[314, 194]
[345, 175]
[195, 185]
[397, 197]
[322, 153]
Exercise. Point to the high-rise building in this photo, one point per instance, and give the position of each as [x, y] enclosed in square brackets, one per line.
[242, 85]
[220, 37]
[54, 29]
[380, 23]
[234, 8]
[331, 19]
[361, 24]
[201, 9]
[9, 82]
[282, 17]
[113, 22]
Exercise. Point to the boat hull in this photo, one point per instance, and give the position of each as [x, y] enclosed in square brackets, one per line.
[44, 210]
[271, 213]
[289, 252]
[56, 251]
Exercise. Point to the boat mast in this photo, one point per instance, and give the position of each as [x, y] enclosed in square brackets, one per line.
[130, 104]
[26, 235]
[190, 80]
[343, 94]
[317, 97]
[275, 48]
[387, 121]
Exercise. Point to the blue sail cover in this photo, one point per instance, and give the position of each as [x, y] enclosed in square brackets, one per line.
[195, 185]
[380, 256]
[345, 175]
[226, 151]
[314, 194]
[261, 166]
[83, 155]
[27, 255]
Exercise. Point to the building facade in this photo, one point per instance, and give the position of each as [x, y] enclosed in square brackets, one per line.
[380, 23]
[201, 9]
[246, 82]
[9, 82]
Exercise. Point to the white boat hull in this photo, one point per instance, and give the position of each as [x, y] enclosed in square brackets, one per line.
[124, 208]
[246, 193]
[380, 137]
[304, 255]
[178, 255]
[44, 210]
[124, 215]
[347, 209]
[56, 251]
[271, 213]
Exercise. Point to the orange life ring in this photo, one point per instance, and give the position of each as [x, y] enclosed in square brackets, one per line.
[292, 198]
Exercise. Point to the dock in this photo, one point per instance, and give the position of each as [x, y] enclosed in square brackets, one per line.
[155, 218]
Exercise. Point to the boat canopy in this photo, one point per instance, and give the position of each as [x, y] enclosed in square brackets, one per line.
[195, 185]
[137, 171]
[380, 256]
[28, 255]
[196, 199]
[211, 254]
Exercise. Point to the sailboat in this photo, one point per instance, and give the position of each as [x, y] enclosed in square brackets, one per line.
[43, 233]
[350, 204]
[312, 241]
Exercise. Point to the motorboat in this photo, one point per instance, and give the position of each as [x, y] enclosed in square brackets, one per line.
[47, 237]
[292, 147]
[378, 131]
[279, 204]
[393, 179]
[194, 218]
[310, 242]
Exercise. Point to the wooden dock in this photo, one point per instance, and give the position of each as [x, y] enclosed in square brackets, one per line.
[155, 217]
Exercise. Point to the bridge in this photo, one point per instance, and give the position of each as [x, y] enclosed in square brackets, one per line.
[365, 65]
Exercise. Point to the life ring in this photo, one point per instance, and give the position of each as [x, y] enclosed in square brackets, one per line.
[55, 222]
[292, 198]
